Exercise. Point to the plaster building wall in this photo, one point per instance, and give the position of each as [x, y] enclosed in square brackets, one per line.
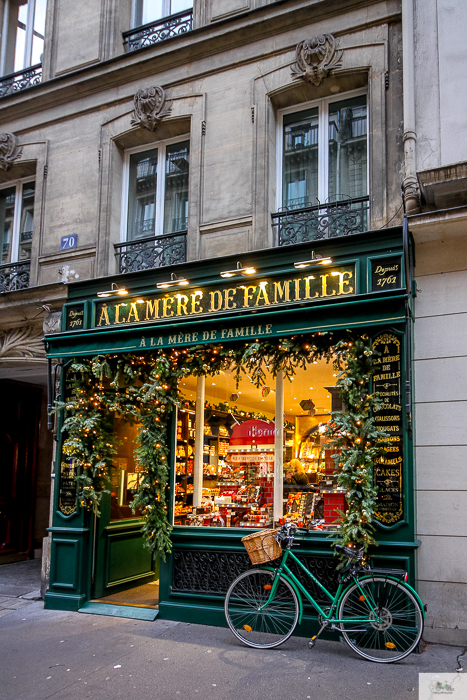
[441, 315]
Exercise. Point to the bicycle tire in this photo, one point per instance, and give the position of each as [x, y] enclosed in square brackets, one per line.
[396, 629]
[267, 628]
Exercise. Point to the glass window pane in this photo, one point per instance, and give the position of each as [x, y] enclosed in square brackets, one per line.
[142, 195]
[27, 220]
[127, 473]
[19, 48]
[180, 5]
[37, 50]
[176, 187]
[239, 461]
[7, 212]
[300, 159]
[39, 17]
[348, 149]
[148, 11]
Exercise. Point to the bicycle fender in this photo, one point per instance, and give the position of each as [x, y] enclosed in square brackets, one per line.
[300, 602]
[393, 578]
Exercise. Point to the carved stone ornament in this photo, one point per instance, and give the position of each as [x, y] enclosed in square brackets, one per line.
[21, 343]
[151, 106]
[315, 57]
[9, 150]
[52, 322]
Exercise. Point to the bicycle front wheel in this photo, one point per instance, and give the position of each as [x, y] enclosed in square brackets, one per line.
[394, 619]
[261, 628]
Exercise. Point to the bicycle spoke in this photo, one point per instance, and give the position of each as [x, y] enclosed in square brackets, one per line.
[253, 619]
[394, 623]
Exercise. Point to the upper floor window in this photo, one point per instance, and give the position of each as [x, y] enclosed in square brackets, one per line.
[22, 34]
[16, 224]
[158, 191]
[146, 11]
[16, 221]
[324, 153]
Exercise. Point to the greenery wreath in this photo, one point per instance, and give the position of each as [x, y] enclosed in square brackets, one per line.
[143, 388]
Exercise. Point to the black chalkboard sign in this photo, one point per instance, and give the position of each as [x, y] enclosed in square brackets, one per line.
[67, 488]
[386, 273]
[388, 469]
[75, 317]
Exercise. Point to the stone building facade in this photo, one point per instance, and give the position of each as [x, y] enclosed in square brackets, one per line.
[120, 93]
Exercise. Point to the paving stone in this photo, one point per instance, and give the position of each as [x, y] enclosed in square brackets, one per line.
[4, 612]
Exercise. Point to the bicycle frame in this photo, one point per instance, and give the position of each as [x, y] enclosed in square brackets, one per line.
[284, 571]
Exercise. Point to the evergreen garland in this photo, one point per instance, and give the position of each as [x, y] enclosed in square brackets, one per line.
[144, 389]
[357, 441]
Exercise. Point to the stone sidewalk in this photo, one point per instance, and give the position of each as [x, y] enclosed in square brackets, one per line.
[19, 585]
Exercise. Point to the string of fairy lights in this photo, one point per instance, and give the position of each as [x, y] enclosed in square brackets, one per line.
[144, 389]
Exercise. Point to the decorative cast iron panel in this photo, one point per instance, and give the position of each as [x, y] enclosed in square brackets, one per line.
[14, 276]
[312, 223]
[147, 253]
[14, 82]
[162, 29]
[212, 572]
[206, 571]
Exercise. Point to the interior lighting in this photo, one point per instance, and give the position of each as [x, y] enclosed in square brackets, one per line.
[174, 281]
[114, 289]
[314, 260]
[239, 270]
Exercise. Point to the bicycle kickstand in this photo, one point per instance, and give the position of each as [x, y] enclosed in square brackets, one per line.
[312, 641]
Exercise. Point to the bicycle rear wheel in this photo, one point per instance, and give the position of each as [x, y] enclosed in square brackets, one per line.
[266, 628]
[395, 619]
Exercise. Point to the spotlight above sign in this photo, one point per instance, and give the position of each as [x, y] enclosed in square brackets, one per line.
[239, 270]
[314, 260]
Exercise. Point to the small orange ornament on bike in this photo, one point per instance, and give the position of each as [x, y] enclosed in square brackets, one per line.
[267, 587]
[390, 645]
[247, 628]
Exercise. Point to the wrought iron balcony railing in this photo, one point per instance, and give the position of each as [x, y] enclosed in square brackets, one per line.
[304, 222]
[162, 29]
[14, 276]
[22, 79]
[147, 253]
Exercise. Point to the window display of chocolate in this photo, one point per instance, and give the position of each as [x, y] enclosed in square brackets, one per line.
[225, 469]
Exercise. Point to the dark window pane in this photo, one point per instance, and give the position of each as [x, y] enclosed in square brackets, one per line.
[348, 148]
[176, 187]
[7, 212]
[300, 159]
[142, 195]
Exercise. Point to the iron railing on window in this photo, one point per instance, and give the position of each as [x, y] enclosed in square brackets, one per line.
[22, 79]
[147, 253]
[160, 30]
[14, 276]
[303, 222]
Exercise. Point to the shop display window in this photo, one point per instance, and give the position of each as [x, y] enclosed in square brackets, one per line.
[235, 466]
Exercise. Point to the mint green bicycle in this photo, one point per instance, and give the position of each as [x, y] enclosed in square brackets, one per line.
[377, 613]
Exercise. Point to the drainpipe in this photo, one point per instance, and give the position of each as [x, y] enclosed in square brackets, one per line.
[410, 184]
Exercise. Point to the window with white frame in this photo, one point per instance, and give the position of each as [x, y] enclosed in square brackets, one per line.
[145, 11]
[16, 221]
[23, 34]
[157, 186]
[323, 153]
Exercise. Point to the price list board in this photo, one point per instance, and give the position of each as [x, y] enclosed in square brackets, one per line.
[388, 469]
[68, 488]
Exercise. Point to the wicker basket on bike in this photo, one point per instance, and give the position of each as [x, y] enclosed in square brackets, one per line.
[262, 546]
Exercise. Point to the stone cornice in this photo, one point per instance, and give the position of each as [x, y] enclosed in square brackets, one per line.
[220, 37]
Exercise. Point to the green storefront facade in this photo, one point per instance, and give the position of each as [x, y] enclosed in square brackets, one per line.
[365, 286]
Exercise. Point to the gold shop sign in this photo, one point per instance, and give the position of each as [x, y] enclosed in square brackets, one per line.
[388, 469]
[209, 301]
